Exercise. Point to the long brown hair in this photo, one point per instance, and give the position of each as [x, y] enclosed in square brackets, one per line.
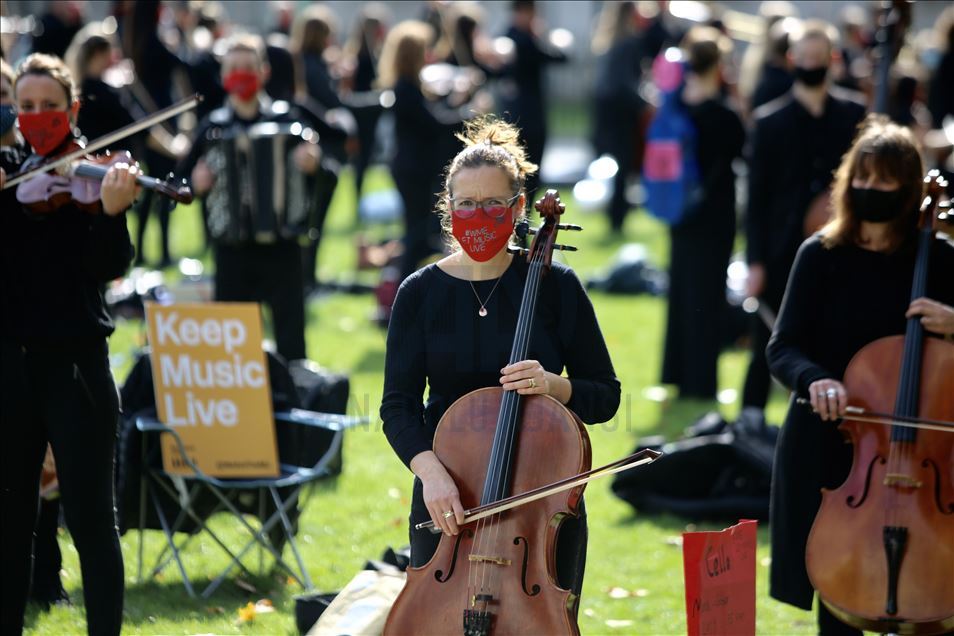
[888, 151]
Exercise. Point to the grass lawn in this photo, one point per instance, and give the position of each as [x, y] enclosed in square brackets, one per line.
[356, 516]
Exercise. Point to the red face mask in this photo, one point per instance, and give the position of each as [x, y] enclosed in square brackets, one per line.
[242, 84]
[45, 131]
[482, 233]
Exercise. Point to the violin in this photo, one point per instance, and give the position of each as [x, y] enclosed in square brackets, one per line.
[498, 574]
[881, 549]
[79, 183]
[74, 174]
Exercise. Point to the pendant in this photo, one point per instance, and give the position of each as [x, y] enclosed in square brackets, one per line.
[482, 312]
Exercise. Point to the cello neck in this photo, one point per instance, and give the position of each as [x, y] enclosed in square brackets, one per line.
[497, 484]
[909, 381]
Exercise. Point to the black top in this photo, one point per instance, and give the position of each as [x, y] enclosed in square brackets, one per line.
[840, 299]
[774, 81]
[791, 161]
[423, 130]
[941, 92]
[719, 140]
[618, 73]
[436, 337]
[321, 86]
[54, 269]
[102, 112]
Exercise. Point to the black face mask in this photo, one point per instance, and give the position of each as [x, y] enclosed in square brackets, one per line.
[876, 206]
[811, 76]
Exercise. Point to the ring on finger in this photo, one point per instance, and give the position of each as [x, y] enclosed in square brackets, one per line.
[832, 392]
[448, 514]
[533, 383]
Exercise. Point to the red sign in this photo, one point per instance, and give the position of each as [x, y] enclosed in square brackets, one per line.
[720, 580]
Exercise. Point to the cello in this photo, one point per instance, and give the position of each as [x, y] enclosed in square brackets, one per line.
[881, 549]
[497, 575]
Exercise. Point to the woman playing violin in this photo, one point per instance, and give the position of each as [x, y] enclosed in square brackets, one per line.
[453, 326]
[56, 380]
[850, 285]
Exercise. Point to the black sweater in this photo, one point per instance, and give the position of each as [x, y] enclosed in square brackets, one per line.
[840, 299]
[54, 269]
[436, 337]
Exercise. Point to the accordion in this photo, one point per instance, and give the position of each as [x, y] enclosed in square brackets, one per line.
[259, 194]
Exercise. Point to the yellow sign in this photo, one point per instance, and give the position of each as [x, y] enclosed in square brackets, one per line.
[211, 382]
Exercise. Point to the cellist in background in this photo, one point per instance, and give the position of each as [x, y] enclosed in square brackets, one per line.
[850, 285]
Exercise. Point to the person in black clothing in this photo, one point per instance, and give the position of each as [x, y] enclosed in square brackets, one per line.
[701, 243]
[775, 78]
[364, 49]
[156, 69]
[104, 109]
[453, 326]
[313, 33]
[421, 127]
[521, 83]
[797, 142]
[58, 387]
[850, 285]
[618, 108]
[246, 268]
[57, 26]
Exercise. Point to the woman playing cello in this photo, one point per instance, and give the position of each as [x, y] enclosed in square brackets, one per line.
[850, 285]
[57, 384]
[453, 326]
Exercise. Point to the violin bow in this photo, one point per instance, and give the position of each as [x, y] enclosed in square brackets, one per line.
[860, 414]
[108, 139]
[639, 458]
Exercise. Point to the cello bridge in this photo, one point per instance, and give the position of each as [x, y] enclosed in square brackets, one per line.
[903, 481]
[478, 558]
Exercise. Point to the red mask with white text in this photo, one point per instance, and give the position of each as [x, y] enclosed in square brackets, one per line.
[46, 130]
[482, 233]
[242, 84]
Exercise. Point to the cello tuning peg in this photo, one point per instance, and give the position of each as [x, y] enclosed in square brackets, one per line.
[519, 251]
[564, 248]
[572, 227]
[531, 230]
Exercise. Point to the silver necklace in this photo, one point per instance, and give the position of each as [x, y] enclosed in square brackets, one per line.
[483, 303]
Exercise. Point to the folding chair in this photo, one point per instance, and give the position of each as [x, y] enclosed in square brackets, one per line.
[309, 445]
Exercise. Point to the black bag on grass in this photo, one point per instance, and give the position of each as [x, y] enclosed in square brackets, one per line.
[723, 474]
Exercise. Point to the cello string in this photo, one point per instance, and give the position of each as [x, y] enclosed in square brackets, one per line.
[520, 350]
[505, 439]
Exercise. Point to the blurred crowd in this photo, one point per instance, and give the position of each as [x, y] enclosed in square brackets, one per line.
[396, 92]
[748, 137]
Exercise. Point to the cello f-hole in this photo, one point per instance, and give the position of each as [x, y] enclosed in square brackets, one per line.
[850, 500]
[523, 574]
[944, 510]
[439, 574]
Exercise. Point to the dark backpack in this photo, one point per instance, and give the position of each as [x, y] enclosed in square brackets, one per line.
[722, 472]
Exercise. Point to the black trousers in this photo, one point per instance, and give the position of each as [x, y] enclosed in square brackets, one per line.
[421, 224]
[696, 311]
[571, 542]
[66, 398]
[269, 273]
